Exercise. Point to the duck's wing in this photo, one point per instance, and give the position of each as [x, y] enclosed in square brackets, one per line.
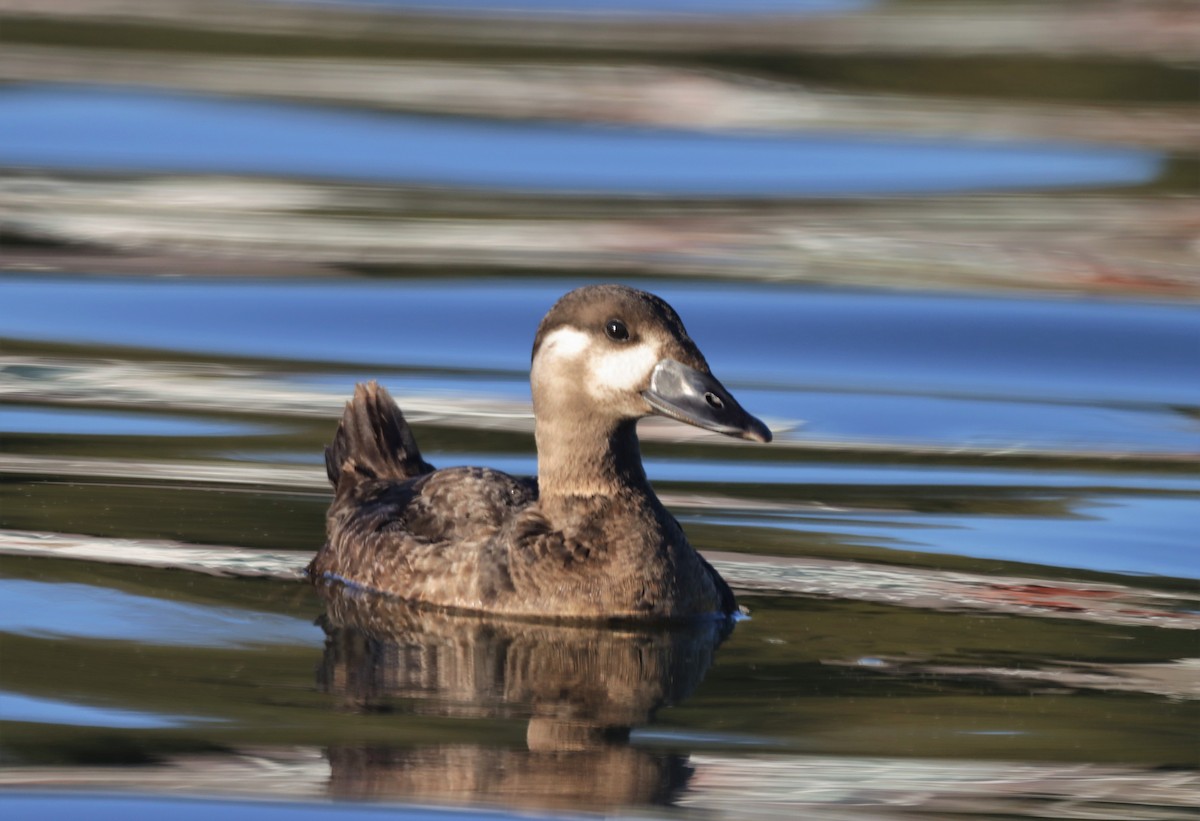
[469, 505]
[429, 539]
[535, 542]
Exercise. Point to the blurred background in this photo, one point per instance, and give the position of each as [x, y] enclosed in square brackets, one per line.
[948, 249]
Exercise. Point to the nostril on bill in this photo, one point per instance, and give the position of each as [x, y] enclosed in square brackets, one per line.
[714, 401]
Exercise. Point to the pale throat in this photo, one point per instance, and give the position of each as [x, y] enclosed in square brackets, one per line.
[584, 447]
[578, 460]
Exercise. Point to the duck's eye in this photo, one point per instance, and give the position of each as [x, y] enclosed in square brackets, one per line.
[616, 330]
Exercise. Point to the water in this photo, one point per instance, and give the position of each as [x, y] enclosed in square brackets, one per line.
[652, 9]
[969, 556]
[118, 130]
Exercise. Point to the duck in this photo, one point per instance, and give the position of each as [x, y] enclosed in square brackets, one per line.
[587, 538]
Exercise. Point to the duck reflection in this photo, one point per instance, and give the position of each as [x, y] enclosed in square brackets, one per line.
[581, 687]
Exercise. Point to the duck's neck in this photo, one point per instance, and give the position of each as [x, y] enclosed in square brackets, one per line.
[588, 461]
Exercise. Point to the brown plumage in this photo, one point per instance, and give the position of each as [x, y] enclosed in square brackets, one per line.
[587, 539]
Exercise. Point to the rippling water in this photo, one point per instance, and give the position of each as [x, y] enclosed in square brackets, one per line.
[969, 556]
[113, 130]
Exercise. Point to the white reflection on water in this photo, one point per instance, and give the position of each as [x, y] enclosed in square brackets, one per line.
[1116, 244]
[878, 788]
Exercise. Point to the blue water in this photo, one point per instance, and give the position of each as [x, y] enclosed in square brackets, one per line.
[18, 419]
[79, 611]
[113, 129]
[20, 707]
[101, 807]
[1095, 534]
[770, 337]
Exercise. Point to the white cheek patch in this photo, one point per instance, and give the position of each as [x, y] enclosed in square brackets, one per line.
[560, 354]
[621, 370]
[607, 370]
[564, 343]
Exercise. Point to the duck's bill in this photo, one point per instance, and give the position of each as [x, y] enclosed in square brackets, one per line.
[697, 398]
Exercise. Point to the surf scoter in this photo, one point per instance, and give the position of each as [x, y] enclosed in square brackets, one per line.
[587, 538]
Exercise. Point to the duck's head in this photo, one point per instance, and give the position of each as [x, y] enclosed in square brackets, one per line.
[607, 353]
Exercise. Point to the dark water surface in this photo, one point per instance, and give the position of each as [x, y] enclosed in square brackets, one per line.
[969, 557]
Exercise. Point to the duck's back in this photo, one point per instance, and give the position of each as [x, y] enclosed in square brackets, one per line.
[431, 538]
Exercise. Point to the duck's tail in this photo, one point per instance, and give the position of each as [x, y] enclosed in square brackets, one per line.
[373, 441]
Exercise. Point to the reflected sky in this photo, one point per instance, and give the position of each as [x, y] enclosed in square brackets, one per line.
[1078, 351]
[113, 129]
[84, 611]
[42, 420]
[78, 807]
[20, 707]
[1105, 533]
